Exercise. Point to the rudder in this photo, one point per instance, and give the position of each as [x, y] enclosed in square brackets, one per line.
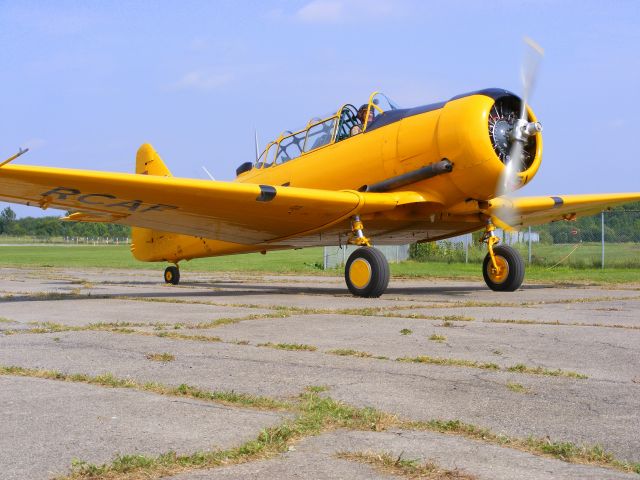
[148, 162]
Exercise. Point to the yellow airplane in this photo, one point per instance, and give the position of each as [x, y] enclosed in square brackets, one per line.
[385, 174]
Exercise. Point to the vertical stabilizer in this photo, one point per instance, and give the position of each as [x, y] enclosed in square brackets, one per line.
[148, 162]
[144, 241]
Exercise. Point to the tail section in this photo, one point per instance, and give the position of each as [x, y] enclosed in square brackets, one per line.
[151, 245]
[148, 162]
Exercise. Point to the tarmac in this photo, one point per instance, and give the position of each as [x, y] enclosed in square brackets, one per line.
[552, 362]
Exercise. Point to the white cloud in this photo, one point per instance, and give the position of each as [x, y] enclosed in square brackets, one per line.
[198, 80]
[322, 11]
[338, 11]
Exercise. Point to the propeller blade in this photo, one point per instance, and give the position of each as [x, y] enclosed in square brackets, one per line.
[510, 179]
[532, 56]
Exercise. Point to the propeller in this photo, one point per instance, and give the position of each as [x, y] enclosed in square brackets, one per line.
[521, 131]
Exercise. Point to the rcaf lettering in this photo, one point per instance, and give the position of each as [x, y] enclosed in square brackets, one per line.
[62, 192]
[132, 206]
[103, 199]
[85, 198]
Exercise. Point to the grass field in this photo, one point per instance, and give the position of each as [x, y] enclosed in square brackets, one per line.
[290, 261]
[583, 255]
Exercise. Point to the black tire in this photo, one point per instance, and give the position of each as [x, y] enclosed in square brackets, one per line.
[515, 275]
[172, 275]
[373, 262]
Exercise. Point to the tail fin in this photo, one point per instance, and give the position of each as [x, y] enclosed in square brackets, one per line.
[143, 240]
[148, 162]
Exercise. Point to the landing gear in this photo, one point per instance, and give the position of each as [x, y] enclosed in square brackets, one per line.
[172, 275]
[503, 267]
[367, 270]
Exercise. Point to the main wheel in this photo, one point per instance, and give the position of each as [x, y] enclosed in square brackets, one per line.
[172, 275]
[510, 273]
[367, 272]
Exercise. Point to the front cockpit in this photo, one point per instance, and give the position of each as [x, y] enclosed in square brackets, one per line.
[323, 131]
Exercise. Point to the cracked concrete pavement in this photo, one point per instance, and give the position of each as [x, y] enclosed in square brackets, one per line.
[589, 330]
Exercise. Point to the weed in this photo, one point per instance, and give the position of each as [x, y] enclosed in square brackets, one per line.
[438, 338]
[521, 368]
[160, 357]
[289, 346]
[517, 387]
[317, 388]
[406, 331]
[455, 362]
[347, 352]
[387, 463]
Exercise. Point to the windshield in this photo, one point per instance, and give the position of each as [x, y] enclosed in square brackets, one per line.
[379, 103]
[326, 130]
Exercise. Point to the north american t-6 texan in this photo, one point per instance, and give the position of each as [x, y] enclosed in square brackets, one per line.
[378, 174]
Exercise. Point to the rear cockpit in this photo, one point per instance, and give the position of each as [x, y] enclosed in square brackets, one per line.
[321, 132]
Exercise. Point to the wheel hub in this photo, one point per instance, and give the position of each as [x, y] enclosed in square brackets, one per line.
[360, 273]
[500, 274]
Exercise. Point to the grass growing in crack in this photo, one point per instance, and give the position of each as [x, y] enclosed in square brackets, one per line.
[183, 390]
[6, 320]
[230, 321]
[438, 338]
[456, 362]
[160, 357]
[521, 368]
[347, 352]
[517, 387]
[317, 388]
[566, 451]
[558, 323]
[314, 414]
[518, 368]
[289, 346]
[456, 318]
[401, 467]
[406, 331]
[181, 336]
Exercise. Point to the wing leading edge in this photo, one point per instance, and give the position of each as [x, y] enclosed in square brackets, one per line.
[525, 211]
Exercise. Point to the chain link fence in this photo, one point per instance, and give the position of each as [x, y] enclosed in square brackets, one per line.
[334, 257]
[37, 240]
[610, 239]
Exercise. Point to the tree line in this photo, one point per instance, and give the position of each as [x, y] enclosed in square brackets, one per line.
[47, 227]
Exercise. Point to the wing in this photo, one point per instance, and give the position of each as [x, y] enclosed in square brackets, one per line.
[229, 211]
[525, 211]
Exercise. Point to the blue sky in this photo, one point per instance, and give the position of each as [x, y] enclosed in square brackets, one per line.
[85, 83]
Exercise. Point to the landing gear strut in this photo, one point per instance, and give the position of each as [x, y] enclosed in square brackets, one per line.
[172, 275]
[367, 270]
[503, 267]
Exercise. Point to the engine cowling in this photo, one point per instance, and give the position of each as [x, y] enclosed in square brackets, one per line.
[473, 131]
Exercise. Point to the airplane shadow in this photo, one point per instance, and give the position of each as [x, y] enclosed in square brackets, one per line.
[234, 290]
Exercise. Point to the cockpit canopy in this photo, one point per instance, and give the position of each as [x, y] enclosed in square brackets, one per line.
[323, 131]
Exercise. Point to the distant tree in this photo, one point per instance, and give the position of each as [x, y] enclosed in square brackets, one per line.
[7, 219]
